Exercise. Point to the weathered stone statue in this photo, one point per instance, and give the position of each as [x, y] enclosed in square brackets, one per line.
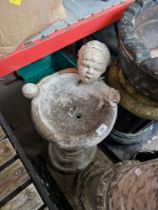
[129, 185]
[93, 60]
[74, 117]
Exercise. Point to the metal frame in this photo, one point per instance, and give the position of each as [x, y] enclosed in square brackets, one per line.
[32, 51]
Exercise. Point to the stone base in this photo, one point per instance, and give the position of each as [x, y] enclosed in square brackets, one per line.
[71, 161]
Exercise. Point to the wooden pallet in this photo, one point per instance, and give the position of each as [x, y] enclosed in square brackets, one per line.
[18, 182]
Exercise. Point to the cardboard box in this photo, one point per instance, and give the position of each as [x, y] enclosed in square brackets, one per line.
[21, 19]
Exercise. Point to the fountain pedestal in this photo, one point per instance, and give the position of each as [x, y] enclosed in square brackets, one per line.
[71, 160]
[74, 117]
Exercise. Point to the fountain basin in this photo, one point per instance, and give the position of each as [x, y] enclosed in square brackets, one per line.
[67, 113]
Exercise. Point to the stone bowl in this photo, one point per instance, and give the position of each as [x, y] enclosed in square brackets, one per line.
[138, 38]
[68, 113]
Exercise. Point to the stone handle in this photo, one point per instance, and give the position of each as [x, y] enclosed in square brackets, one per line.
[30, 90]
[112, 96]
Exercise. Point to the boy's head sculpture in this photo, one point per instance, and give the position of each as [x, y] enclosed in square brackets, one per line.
[93, 60]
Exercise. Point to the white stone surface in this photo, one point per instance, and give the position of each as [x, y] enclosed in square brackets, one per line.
[93, 60]
[30, 90]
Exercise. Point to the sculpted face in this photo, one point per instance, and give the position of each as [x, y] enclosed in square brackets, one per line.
[91, 66]
[93, 60]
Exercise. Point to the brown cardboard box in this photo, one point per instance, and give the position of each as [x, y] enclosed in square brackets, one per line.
[21, 19]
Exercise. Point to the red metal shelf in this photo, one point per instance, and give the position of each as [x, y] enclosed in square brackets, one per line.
[38, 48]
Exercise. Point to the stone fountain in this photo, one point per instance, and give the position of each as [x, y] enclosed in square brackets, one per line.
[74, 110]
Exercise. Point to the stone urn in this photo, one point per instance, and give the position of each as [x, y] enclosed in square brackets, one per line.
[72, 116]
[138, 38]
[128, 185]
